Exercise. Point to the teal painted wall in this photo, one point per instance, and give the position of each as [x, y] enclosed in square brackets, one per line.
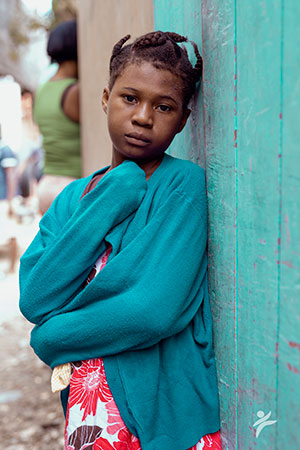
[245, 130]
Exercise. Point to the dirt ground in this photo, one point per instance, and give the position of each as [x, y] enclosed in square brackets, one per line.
[31, 416]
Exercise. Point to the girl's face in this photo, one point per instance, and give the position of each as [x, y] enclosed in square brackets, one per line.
[144, 112]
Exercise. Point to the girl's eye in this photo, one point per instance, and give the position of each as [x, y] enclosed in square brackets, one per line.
[164, 108]
[129, 98]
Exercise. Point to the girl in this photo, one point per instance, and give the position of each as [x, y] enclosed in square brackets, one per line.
[139, 334]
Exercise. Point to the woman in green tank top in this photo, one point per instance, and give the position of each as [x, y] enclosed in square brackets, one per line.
[56, 111]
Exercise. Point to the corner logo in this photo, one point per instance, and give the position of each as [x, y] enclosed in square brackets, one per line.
[263, 422]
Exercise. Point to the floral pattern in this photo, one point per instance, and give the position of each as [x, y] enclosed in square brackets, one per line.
[83, 434]
[89, 384]
[93, 420]
[102, 444]
[114, 418]
[209, 441]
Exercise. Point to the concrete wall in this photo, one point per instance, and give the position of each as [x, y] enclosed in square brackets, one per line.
[101, 25]
[245, 130]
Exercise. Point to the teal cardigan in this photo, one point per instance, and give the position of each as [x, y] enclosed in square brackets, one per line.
[147, 313]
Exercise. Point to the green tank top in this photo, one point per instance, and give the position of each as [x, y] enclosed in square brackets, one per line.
[61, 136]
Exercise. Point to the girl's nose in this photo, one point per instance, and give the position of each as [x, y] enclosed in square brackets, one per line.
[142, 116]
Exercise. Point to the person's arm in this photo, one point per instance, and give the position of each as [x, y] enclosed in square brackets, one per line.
[9, 162]
[150, 291]
[58, 260]
[71, 102]
[10, 187]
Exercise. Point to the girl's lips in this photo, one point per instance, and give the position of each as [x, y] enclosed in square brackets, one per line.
[137, 139]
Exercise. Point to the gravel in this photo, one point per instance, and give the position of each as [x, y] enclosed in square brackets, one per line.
[31, 416]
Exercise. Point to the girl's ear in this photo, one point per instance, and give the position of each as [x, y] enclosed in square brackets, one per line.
[184, 119]
[105, 97]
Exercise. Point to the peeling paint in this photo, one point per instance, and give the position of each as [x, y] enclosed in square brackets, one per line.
[276, 352]
[262, 112]
[224, 382]
[288, 234]
[288, 264]
[293, 369]
[294, 345]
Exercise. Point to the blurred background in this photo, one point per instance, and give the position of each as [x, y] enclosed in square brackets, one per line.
[30, 415]
[244, 130]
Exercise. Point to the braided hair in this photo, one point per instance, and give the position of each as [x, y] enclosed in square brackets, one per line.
[162, 50]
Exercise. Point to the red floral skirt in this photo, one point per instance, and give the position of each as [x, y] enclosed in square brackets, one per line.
[93, 420]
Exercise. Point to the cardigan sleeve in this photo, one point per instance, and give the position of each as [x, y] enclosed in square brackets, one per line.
[152, 289]
[56, 263]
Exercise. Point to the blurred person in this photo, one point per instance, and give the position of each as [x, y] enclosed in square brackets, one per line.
[30, 155]
[8, 163]
[29, 175]
[56, 112]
